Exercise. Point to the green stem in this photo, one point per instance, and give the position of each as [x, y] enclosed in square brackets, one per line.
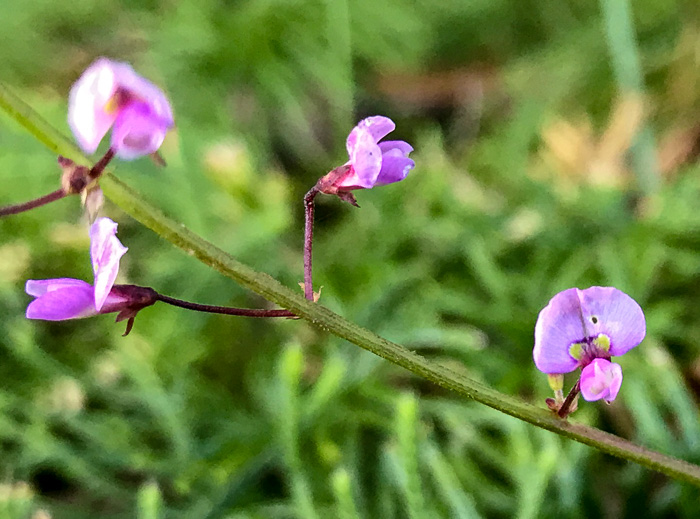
[132, 203]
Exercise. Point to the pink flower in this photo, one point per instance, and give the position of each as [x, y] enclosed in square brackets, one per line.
[66, 298]
[373, 163]
[601, 379]
[110, 94]
[584, 329]
[105, 252]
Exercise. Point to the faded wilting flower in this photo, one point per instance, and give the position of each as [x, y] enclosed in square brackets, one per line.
[372, 163]
[67, 298]
[110, 94]
[584, 329]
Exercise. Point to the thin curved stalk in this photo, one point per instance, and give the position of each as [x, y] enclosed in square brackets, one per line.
[32, 204]
[223, 310]
[132, 203]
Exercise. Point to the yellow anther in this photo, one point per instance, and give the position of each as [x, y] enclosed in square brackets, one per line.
[576, 350]
[602, 342]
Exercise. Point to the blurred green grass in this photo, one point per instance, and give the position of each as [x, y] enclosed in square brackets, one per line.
[522, 188]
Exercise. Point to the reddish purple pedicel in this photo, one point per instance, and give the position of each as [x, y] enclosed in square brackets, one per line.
[585, 328]
[109, 94]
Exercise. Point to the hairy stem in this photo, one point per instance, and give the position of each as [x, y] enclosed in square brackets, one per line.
[308, 241]
[323, 318]
[132, 203]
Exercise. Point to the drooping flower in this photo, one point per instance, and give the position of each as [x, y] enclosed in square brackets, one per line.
[109, 94]
[584, 329]
[372, 163]
[67, 298]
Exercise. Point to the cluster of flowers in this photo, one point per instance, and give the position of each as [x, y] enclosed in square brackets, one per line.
[110, 95]
[577, 329]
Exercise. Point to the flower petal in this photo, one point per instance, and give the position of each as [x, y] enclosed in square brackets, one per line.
[395, 148]
[612, 312]
[88, 116]
[393, 169]
[105, 251]
[377, 126]
[39, 287]
[601, 379]
[365, 158]
[558, 326]
[68, 302]
[105, 90]
[143, 90]
[138, 131]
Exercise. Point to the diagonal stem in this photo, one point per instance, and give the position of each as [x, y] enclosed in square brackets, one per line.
[129, 201]
[93, 174]
[99, 167]
[565, 408]
[308, 241]
[32, 204]
[132, 203]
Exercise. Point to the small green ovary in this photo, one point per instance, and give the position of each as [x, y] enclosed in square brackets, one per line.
[602, 342]
[576, 350]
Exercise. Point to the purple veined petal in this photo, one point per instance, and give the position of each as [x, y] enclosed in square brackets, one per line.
[88, 115]
[69, 302]
[610, 311]
[558, 326]
[39, 287]
[601, 379]
[366, 159]
[377, 126]
[143, 90]
[138, 131]
[393, 169]
[395, 148]
[105, 252]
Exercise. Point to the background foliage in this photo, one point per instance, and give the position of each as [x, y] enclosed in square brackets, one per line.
[522, 189]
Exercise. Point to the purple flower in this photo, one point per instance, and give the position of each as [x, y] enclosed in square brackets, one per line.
[66, 298]
[105, 252]
[601, 379]
[110, 93]
[373, 163]
[585, 328]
